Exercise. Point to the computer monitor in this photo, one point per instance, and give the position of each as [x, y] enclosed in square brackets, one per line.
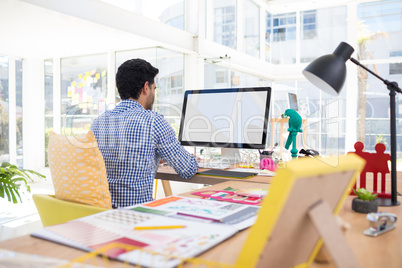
[225, 118]
[293, 104]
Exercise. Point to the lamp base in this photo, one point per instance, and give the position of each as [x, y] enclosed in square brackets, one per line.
[386, 202]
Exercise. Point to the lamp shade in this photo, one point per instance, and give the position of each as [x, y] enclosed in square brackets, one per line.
[329, 72]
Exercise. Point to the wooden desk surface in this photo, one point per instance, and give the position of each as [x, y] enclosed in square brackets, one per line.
[382, 251]
[167, 173]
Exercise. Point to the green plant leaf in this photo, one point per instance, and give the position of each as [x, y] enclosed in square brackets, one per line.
[364, 194]
[14, 181]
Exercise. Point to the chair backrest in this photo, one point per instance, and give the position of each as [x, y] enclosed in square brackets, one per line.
[55, 211]
[78, 170]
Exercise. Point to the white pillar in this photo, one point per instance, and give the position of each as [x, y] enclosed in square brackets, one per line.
[192, 62]
[33, 102]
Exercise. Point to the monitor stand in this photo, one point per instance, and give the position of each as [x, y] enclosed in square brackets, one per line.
[230, 156]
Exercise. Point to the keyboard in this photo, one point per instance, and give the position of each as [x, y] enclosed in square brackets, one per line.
[214, 165]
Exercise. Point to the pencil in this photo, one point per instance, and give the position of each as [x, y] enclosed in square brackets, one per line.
[199, 217]
[158, 227]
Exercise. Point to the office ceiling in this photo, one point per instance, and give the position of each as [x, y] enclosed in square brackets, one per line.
[28, 30]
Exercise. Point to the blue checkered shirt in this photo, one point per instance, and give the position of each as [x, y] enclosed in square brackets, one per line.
[132, 141]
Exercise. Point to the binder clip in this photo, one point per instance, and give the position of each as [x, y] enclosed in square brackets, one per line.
[380, 222]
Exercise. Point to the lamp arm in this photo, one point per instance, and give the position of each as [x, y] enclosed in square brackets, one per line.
[389, 84]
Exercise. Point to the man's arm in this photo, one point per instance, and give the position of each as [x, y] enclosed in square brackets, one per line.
[170, 150]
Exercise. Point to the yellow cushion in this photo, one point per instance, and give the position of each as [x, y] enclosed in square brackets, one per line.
[78, 170]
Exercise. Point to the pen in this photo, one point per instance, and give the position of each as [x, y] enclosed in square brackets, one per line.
[198, 217]
[158, 227]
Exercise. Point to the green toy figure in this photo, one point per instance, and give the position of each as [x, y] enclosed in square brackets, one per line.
[295, 123]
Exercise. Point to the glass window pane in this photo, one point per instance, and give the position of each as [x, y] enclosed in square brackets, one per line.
[225, 23]
[308, 24]
[83, 91]
[48, 104]
[380, 28]
[380, 32]
[374, 110]
[4, 116]
[169, 81]
[326, 118]
[284, 39]
[268, 38]
[19, 121]
[331, 25]
[251, 29]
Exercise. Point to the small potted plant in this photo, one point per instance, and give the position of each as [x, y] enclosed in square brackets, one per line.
[365, 202]
[14, 181]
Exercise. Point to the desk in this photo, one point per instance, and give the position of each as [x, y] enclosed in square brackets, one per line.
[382, 251]
[168, 173]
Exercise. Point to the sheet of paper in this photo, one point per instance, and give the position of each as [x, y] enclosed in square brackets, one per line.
[238, 216]
[264, 172]
[117, 226]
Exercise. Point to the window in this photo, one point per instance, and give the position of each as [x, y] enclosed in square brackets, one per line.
[225, 24]
[281, 33]
[4, 105]
[83, 91]
[380, 25]
[284, 27]
[381, 15]
[330, 23]
[169, 81]
[308, 21]
[11, 152]
[251, 29]
[173, 14]
[48, 104]
[395, 68]
[18, 116]
[268, 39]
[176, 81]
[221, 77]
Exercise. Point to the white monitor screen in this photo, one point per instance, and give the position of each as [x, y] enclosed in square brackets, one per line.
[232, 118]
[292, 98]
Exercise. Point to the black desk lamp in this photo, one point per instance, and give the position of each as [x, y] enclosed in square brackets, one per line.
[329, 72]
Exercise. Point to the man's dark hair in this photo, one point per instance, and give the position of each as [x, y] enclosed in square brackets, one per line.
[131, 77]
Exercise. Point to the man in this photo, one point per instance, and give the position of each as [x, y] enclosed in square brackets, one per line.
[133, 139]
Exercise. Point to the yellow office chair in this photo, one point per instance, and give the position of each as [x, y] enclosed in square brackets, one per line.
[55, 211]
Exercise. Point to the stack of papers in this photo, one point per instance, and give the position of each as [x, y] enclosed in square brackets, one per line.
[172, 226]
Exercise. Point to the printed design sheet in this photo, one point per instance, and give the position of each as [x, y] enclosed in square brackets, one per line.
[239, 216]
[248, 196]
[98, 230]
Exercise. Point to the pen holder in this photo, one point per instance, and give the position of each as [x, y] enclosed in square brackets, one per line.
[266, 154]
